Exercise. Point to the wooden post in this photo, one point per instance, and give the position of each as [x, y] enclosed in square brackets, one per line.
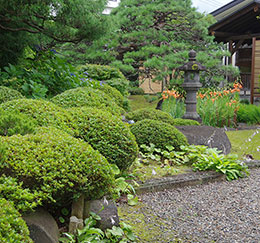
[252, 84]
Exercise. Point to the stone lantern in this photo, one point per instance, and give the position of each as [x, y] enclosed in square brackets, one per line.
[191, 85]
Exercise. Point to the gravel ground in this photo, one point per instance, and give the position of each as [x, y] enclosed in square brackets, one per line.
[222, 212]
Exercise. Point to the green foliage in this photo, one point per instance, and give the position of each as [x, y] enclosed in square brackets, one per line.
[13, 191]
[161, 134]
[109, 75]
[153, 114]
[218, 108]
[86, 96]
[13, 228]
[107, 134]
[136, 91]
[45, 113]
[248, 114]
[115, 95]
[43, 74]
[92, 234]
[7, 94]
[228, 165]
[175, 107]
[152, 38]
[56, 21]
[56, 165]
[12, 122]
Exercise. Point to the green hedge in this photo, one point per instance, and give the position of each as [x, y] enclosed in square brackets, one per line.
[13, 122]
[106, 133]
[110, 75]
[248, 114]
[85, 96]
[13, 228]
[153, 114]
[161, 134]
[56, 165]
[45, 113]
[7, 94]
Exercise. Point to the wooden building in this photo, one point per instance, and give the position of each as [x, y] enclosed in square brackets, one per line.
[238, 24]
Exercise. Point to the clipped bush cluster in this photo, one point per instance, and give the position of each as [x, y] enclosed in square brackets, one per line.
[153, 114]
[7, 94]
[23, 199]
[113, 93]
[13, 122]
[110, 75]
[56, 165]
[13, 228]
[107, 134]
[85, 96]
[248, 114]
[45, 113]
[160, 134]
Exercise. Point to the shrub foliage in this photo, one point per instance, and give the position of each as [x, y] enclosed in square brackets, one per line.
[106, 133]
[86, 96]
[7, 94]
[56, 165]
[13, 228]
[158, 133]
[158, 115]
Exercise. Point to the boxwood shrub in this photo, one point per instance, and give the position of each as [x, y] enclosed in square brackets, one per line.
[86, 96]
[107, 134]
[110, 75]
[13, 228]
[13, 122]
[45, 113]
[148, 113]
[7, 94]
[248, 114]
[161, 134]
[56, 165]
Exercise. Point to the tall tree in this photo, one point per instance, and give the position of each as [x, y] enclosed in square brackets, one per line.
[154, 37]
[54, 20]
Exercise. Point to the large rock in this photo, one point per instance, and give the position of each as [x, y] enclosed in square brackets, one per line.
[42, 226]
[212, 137]
[106, 209]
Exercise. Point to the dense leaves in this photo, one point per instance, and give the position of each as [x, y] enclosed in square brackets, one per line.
[7, 94]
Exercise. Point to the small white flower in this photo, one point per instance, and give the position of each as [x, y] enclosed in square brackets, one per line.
[105, 201]
[154, 172]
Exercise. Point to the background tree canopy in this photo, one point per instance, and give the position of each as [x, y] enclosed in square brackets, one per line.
[152, 38]
[50, 21]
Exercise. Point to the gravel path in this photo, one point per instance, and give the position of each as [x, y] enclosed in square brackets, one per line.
[222, 212]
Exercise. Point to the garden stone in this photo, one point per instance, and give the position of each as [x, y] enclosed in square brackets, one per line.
[106, 209]
[212, 137]
[42, 226]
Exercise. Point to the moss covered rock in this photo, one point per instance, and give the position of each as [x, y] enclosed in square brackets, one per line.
[161, 134]
[86, 96]
[13, 228]
[56, 165]
[7, 94]
[147, 113]
[45, 113]
[107, 134]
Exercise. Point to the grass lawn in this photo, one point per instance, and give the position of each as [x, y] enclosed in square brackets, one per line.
[139, 101]
[245, 142]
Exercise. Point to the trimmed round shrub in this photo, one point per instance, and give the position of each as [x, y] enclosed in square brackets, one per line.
[13, 122]
[110, 75]
[248, 114]
[13, 191]
[85, 96]
[45, 113]
[107, 134]
[7, 94]
[13, 228]
[161, 134]
[56, 165]
[158, 115]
